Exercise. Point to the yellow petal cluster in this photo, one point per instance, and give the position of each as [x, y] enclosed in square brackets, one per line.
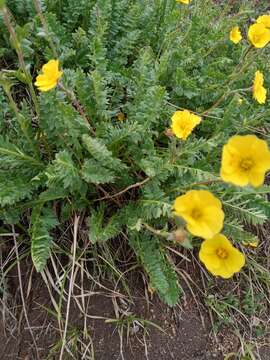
[259, 35]
[245, 160]
[183, 1]
[47, 80]
[183, 122]
[235, 35]
[220, 257]
[202, 212]
[265, 20]
[259, 91]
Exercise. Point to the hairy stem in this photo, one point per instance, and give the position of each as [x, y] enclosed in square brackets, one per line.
[17, 46]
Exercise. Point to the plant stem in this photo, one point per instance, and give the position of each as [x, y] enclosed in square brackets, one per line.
[17, 46]
[20, 117]
[161, 233]
[234, 75]
[45, 27]
[70, 94]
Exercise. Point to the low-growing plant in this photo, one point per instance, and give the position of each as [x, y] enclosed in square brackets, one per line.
[126, 123]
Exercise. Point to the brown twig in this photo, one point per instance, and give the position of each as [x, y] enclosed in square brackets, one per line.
[70, 94]
[106, 194]
[138, 184]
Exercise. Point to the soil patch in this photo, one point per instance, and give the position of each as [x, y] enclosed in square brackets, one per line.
[186, 330]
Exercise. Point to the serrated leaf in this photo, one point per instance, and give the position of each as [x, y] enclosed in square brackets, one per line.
[93, 172]
[42, 221]
[63, 170]
[101, 230]
[162, 276]
[100, 153]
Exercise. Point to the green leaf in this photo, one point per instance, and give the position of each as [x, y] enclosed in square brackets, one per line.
[63, 170]
[42, 221]
[246, 211]
[99, 151]
[15, 189]
[237, 233]
[162, 276]
[92, 172]
[101, 230]
[14, 157]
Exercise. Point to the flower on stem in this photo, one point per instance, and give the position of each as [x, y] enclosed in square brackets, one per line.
[202, 212]
[183, 122]
[245, 160]
[265, 20]
[220, 257]
[259, 35]
[259, 91]
[47, 80]
[235, 35]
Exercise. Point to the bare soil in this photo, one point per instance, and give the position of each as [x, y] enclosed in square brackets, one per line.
[187, 330]
[186, 336]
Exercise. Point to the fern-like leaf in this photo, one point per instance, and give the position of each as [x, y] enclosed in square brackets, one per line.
[92, 172]
[160, 271]
[42, 221]
[100, 231]
[100, 152]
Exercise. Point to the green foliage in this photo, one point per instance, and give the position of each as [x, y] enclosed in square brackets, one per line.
[100, 232]
[93, 172]
[42, 221]
[143, 60]
[161, 274]
[13, 190]
[63, 171]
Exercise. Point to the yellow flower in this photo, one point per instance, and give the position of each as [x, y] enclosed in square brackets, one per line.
[220, 257]
[259, 91]
[183, 1]
[202, 212]
[259, 35]
[235, 35]
[245, 160]
[265, 20]
[49, 77]
[183, 122]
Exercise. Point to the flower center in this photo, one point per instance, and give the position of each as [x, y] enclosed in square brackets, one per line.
[222, 253]
[256, 38]
[196, 214]
[246, 164]
[185, 126]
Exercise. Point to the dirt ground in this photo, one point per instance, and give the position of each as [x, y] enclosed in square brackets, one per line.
[186, 331]
[186, 336]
